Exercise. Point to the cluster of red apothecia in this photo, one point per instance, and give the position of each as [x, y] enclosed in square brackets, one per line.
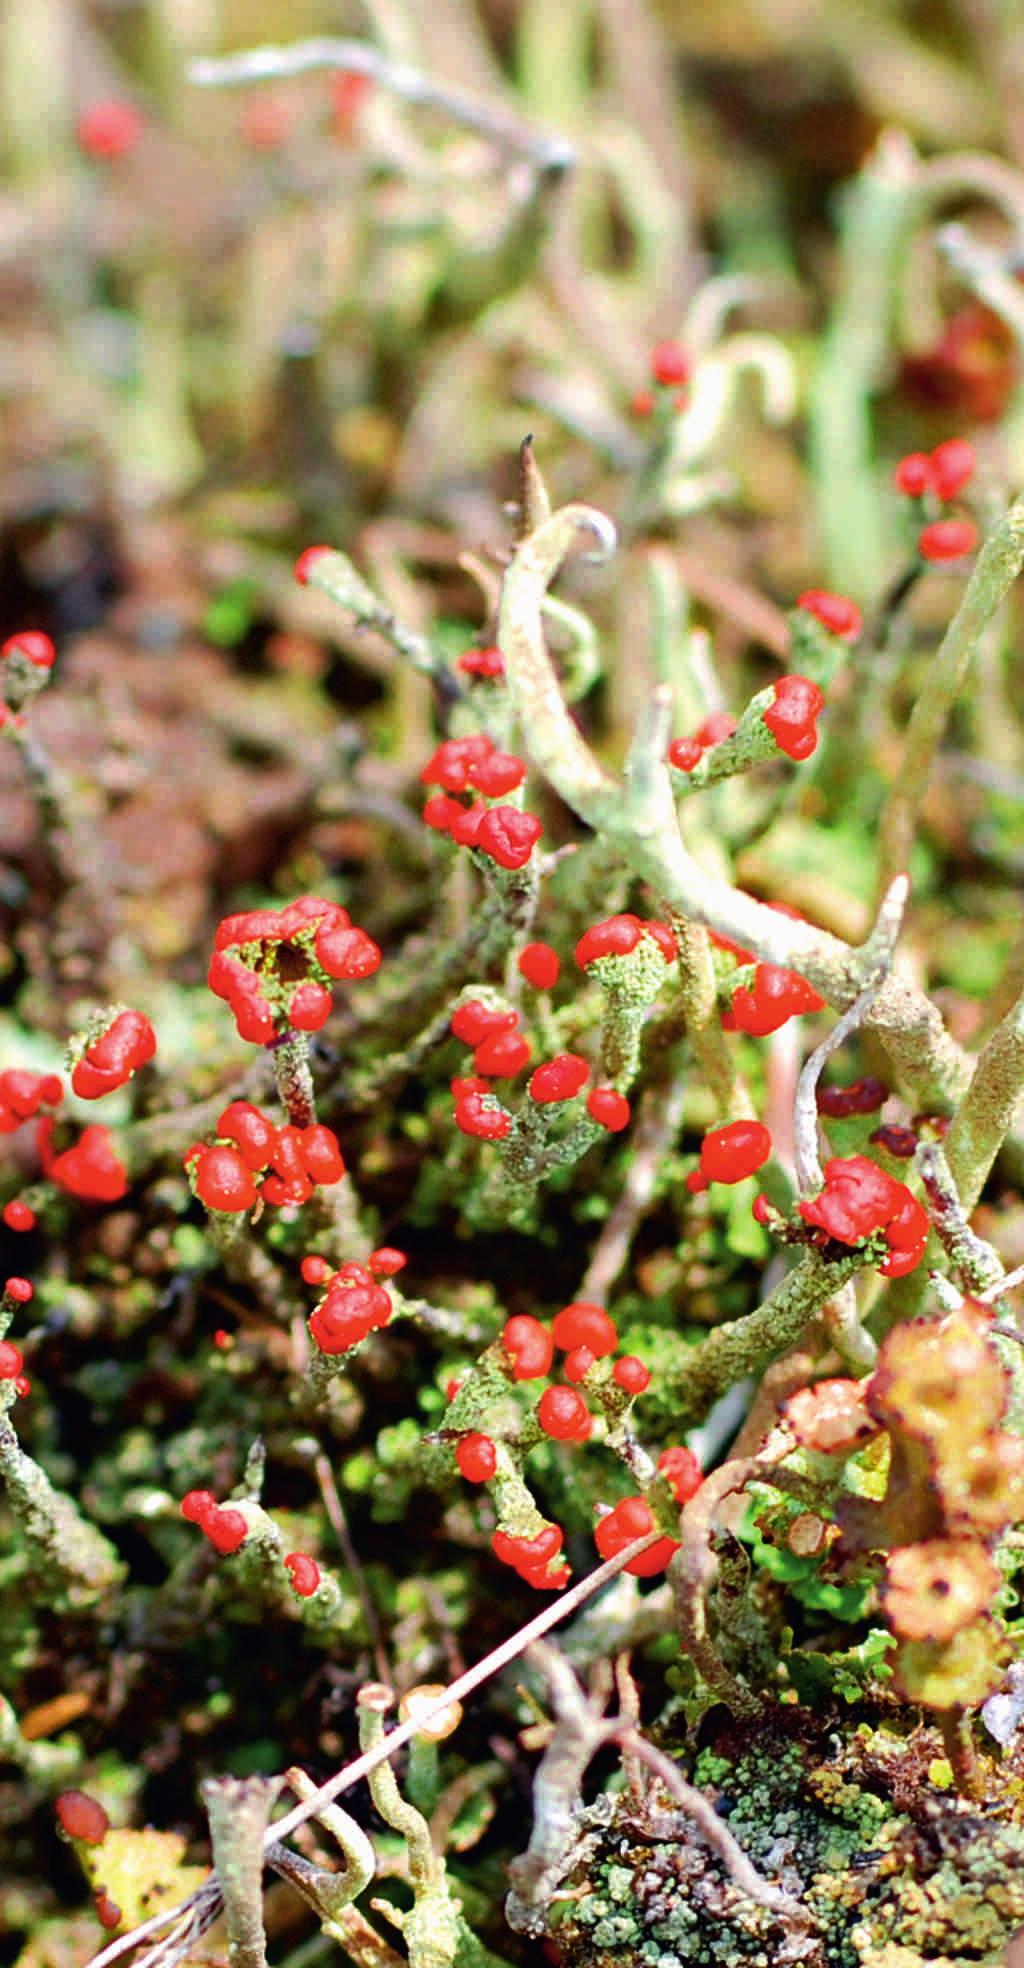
[797, 702]
[866, 1096]
[685, 753]
[860, 1199]
[290, 1161]
[474, 765]
[775, 994]
[671, 369]
[273, 967]
[17, 1292]
[89, 1169]
[227, 1530]
[354, 1303]
[112, 127]
[109, 1060]
[940, 475]
[585, 1334]
[501, 1051]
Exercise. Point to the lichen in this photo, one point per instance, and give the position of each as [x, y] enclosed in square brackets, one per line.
[893, 1870]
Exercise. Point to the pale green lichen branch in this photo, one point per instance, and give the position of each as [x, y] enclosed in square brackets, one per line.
[334, 574]
[997, 567]
[494, 121]
[238, 1809]
[72, 1564]
[989, 1107]
[431, 1927]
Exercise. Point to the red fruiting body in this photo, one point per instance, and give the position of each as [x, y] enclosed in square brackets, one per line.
[835, 612]
[632, 1519]
[685, 753]
[352, 1295]
[731, 1153]
[715, 729]
[386, 1260]
[947, 539]
[584, 1324]
[540, 965]
[499, 774]
[578, 1362]
[860, 1097]
[641, 403]
[609, 1109]
[972, 369]
[33, 645]
[952, 466]
[265, 122]
[108, 1913]
[197, 1505]
[503, 1055]
[19, 1290]
[858, 1199]
[761, 1210]
[346, 952]
[440, 812]
[615, 937]
[563, 1414]
[450, 765]
[109, 129]
[322, 1156]
[305, 1573]
[477, 1458]
[251, 1131]
[529, 1345]
[474, 1022]
[561, 1078]
[306, 563]
[791, 718]
[482, 662]
[532, 1557]
[128, 1043]
[508, 836]
[11, 1360]
[81, 1816]
[223, 1180]
[480, 1115]
[670, 364]
[682, 1472]
[309, 1006]
[465, 828]
[18, 1216]
[227, 1530]
[913, 474]
[349, 91]
[777, 995]
[631, 1375]
[661, 934]
[900, 1142]
[23, 1093]
[91, 1169]
[315, 1270]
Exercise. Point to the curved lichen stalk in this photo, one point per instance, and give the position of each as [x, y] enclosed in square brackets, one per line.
[637, 814]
